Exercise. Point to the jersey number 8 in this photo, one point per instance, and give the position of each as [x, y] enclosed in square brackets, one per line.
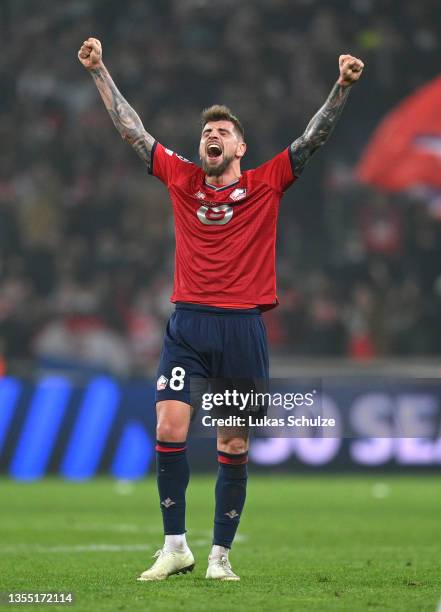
[177, 379]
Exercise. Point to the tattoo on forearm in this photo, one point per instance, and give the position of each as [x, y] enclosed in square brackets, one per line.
[319, 128]
[125, 119]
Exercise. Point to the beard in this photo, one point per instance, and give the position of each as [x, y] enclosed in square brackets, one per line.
[217, 170]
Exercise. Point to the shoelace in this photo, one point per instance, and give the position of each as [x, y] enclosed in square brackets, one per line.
[158, 554]
[224, 561]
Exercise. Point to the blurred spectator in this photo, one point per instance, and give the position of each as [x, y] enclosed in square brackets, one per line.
[381, 227]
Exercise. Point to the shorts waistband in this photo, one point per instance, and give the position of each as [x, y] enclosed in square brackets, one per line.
[218, 311]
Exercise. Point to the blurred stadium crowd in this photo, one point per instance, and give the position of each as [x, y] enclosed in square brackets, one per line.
[86, 236]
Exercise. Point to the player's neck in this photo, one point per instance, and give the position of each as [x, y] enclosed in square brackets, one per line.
[231, 175]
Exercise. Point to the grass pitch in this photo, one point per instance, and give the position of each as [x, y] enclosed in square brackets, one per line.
[306, 543]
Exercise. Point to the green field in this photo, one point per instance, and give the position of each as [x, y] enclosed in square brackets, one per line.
[306, 543]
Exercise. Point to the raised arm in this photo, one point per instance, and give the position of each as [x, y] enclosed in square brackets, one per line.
[321, 125]
[125, 119]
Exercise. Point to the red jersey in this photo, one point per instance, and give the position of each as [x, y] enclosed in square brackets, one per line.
[225, 236]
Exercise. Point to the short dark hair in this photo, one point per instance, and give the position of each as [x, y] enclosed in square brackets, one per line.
[220, 112]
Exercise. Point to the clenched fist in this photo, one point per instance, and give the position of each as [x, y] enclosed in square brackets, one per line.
[350, 69]
[90, 53]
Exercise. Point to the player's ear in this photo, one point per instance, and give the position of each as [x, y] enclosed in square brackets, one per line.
[241, 149]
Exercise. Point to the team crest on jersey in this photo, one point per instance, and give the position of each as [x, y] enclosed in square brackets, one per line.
[161, 383]
[200, 195]
[238, 194]
[215, 215]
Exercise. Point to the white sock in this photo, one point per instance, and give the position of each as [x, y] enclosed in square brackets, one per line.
[219, 551]
[176, 543]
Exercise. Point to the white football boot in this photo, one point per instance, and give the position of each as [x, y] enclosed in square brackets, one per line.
[219, 568]
[169, 563]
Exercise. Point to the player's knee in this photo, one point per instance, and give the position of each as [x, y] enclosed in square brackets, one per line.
[233, 446]
[167, 431]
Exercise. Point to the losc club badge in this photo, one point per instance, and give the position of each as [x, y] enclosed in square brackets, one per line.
[161, 383]
[238, 194]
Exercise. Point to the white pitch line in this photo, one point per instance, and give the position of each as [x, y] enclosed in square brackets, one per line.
[84, 548]
[116, 527]
[132, 528]
[81, 548]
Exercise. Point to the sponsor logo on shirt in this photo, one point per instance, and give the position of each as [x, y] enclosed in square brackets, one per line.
[238, 194]
[215, 215]
[200, 195]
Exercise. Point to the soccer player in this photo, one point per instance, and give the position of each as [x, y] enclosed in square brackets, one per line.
[225, 224]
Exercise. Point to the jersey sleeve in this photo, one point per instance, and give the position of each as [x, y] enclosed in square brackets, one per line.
[165, 163]
[277, 172]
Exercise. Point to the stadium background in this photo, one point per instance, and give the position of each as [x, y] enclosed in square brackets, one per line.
[86, 237]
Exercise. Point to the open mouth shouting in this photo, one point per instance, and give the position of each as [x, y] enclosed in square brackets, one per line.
[214, 151]
[215, 160]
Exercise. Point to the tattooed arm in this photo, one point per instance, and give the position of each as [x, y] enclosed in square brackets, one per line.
[125, 119]
[321, 125]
